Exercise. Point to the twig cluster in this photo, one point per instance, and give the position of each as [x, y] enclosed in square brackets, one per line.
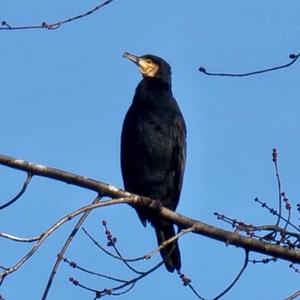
[283, 233]
[124, 285]
[280, 240]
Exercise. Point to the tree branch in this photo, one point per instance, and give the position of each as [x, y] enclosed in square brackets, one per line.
[42, 238]
[292, 56]
[6, 26]
[103, 189]
[294, 296]
[246, 260]
[64, 249]
[20, 193]
[228, 237]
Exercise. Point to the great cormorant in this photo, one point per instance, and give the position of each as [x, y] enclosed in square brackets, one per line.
[153, 148]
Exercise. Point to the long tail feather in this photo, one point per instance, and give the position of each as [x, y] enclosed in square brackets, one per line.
[171, 253]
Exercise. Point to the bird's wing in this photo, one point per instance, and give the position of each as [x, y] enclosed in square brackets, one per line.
[179, 154]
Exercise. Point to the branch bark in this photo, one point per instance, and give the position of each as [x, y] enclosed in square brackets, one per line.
[228, 237]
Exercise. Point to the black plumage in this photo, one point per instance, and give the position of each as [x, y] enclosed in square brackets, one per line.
[153, 148]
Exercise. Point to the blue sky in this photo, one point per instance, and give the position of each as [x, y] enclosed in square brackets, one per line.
[64, 95]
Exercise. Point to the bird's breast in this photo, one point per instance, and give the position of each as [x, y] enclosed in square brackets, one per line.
[147, 141]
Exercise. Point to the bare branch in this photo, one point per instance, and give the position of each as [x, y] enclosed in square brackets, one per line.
[112, 243]
[97, 244]
[52, 229]
[292, 56]
[249, 228]
[275, 213]
[112, 291]
[188, 282]
[265, 260]
[19, 239]
[85, 270]
[296, 269]
[228, 237]
[167, 242]
[6, 26]
[22, 191]
[237, 277]
[275, 161]
[195, 292]
[36, 169]
[275, 235]
[64, 249]
[294, 296]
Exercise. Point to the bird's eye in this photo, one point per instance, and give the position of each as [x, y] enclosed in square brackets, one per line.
[149, 61]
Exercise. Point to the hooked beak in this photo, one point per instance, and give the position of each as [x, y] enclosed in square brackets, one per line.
[131, 57]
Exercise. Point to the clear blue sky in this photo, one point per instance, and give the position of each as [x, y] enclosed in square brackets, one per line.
[64, 94]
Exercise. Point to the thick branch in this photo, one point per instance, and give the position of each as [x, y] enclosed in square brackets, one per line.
[36, 169]
[232, 238]
[210, 231]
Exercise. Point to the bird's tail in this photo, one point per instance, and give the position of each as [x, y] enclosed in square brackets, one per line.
[170, 253]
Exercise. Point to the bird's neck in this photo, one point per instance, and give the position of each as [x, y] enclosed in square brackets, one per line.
[153, 94]
[156, 85]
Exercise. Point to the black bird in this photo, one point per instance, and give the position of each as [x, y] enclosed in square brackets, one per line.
[153, 148]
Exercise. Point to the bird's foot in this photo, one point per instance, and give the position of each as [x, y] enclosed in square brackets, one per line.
[156, 205]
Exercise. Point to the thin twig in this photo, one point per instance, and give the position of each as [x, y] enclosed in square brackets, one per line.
[237, 277]
[288, 218]
[274, 212]
[65, 247]
[276, 228]
[125, 262]
[169, 241]
[53, 228]
[292, 56]
[195, 292]
[111, 291]
[265, 260]
[294, 296]
[275, 159]
[125, 291]
[22, 191]
[85, 270]
[6, 26]
[108, 252]
[19, 239]
[294, 268]
[241, 226]
[112, 243]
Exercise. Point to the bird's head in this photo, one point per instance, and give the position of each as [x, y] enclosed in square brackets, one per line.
[151, 66]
